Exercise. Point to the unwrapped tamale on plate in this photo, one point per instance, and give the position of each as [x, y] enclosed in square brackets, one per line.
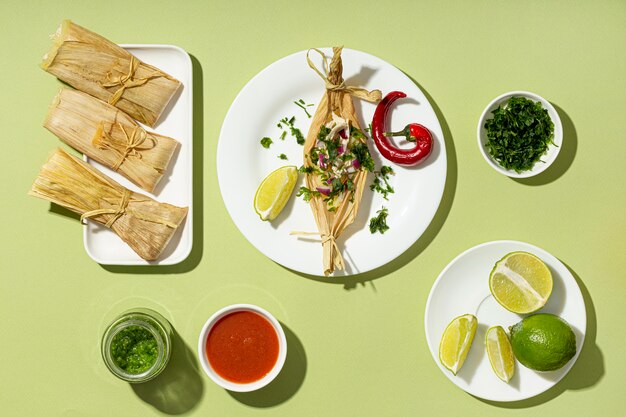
[110, 136]
[97, 66]
[143, 223]
[336, 159]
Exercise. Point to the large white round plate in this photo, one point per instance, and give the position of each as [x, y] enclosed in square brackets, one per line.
[463, 287]
[242, 163]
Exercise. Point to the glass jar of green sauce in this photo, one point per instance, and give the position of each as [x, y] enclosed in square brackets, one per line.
[136, 346]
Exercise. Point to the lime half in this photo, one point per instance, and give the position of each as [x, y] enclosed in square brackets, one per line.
[500, 353]
[456, 342]
[521, 282]
[274, 192]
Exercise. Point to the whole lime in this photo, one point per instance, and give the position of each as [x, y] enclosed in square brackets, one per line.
[543, 342]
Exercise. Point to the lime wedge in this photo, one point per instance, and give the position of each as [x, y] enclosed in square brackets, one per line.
[500, 353]
[456, 342]
[274, 192]
[521, 282]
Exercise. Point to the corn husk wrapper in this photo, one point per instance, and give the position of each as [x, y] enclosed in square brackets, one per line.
[143, 223]
[111, 137]
[97, 66]
[337, 99]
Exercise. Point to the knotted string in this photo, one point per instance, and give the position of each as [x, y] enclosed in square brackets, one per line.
[127, 80]
[116, 212]
[132, 145]
[373, 96]
[325, 239]
[121, 209]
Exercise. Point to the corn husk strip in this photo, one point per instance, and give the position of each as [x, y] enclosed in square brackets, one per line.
[335, 82]
[336, 99]
[110, 136]
[143, 223]
[97, 66]
[132, 143]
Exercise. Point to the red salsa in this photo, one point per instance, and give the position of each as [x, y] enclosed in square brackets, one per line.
[242, 347]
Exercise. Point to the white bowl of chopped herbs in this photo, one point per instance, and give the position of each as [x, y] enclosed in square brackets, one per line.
[520, 134]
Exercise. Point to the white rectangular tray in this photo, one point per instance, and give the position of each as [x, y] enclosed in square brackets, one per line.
[176, 186]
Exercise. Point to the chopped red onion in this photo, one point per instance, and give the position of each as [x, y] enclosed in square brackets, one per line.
[322, 162]
[323, 190]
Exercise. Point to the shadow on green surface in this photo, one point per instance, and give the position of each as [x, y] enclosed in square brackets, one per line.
[351, 282]
[62, 211]
[195, 256]
[286, 384]
[179, 388]
[565, 158]
[586, 372]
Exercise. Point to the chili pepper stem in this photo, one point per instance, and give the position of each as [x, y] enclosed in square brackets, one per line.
[406, 132]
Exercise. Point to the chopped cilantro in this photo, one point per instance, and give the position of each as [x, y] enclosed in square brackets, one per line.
[307, 194]
[324, 131]
[385, 170]
[315, 156]
[300, 103]
[282, 135]
[379, 222]
[362, 154]
[381, 181]
[306, 170]
[357, 134]
[283, 156]
[295, 132]
[266, 142]
[332, 146]
[519, 134]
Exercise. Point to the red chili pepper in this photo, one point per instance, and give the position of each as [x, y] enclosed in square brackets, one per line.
[413, 132]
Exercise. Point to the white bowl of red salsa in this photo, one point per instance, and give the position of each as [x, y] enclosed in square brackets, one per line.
[242, 347]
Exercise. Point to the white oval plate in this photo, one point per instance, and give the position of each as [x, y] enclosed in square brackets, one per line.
[242, 163]
[463, 287]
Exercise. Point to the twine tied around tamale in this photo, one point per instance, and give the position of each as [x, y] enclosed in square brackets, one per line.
[115, 212]
[133, 143]
[120, 210]
[373, 96]
[325, 238]
[127, 80]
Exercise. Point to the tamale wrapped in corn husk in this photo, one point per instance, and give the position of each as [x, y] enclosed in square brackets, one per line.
[97, 66]
[336, 103]
[143, 223]
[110, 136]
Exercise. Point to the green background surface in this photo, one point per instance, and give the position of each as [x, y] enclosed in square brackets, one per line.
[356, 345]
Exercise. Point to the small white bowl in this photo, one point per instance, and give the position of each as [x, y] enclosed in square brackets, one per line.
[233, 386]
[548, 158]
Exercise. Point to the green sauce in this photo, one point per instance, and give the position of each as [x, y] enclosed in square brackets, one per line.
[134, 349]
